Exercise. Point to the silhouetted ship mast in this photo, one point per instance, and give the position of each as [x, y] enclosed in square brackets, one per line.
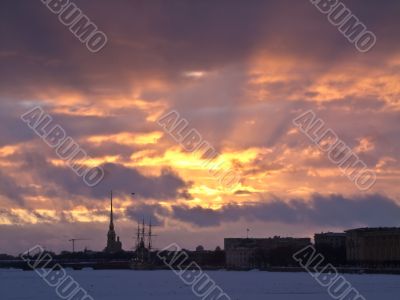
[144, 238]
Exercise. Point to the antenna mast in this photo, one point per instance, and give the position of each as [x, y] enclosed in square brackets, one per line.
[150, 234]
[138, 235]
[143, 233]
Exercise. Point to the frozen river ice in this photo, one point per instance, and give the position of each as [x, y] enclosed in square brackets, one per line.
[165, 285]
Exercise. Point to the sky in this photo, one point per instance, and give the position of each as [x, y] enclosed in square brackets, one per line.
[238, 72]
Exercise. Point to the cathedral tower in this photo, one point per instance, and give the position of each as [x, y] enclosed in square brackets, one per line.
[113, 243]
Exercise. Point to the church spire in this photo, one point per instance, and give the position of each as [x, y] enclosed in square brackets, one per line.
[111, 215]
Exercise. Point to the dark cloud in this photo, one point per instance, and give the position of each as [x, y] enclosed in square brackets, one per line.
[161, 39]
[57, 181]
[199, 216]
[12, 190]
[149, 213]
[167, 185]
[323, 211]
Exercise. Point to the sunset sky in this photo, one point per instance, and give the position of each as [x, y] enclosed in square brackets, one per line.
[239, 72]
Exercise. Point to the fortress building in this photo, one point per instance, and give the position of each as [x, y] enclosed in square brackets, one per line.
[114, 245]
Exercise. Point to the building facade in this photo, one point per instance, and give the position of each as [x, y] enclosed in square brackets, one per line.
[373, 245]
[246, 253]
[330, 239]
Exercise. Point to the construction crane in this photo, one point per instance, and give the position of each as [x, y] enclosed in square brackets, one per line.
[73, 243]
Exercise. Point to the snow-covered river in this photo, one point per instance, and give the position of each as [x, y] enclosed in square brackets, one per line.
[165, 285]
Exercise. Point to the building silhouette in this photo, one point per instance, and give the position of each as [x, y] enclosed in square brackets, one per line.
[332, 245]
[245, 253]
[373, 245]
[114, 245]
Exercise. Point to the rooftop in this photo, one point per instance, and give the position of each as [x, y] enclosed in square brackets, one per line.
[372, 229]
[335, 234]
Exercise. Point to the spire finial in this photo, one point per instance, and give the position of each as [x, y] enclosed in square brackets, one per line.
[111, 213]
